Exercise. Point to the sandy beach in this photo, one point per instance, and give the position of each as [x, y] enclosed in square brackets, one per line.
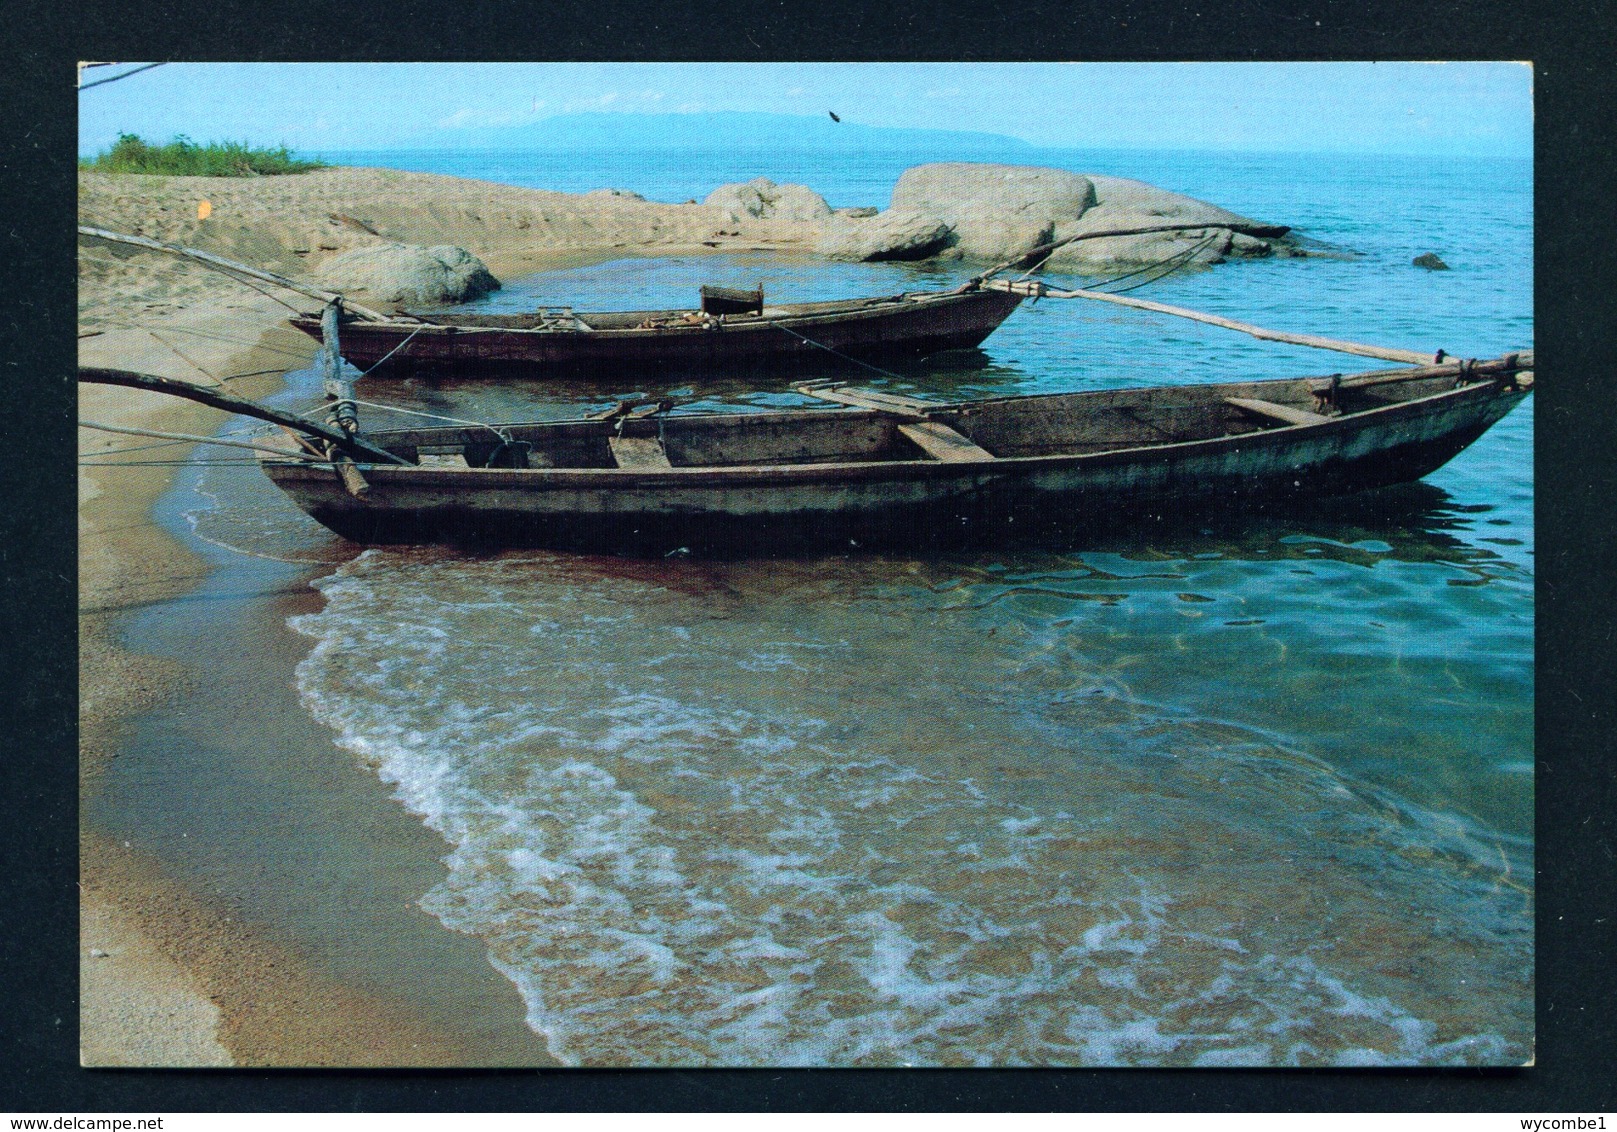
[170, 977]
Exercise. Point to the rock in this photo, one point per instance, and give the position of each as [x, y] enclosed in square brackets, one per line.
[1122, 203]
[857, 213]
[995, 212]
[1431, 262]
[625, 194]
[410, 274]
[762, 199]
[1003, 212]
[1250, 246]
[97, 953]
[894, 234]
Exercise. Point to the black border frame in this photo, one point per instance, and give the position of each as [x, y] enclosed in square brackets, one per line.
[1575, 471]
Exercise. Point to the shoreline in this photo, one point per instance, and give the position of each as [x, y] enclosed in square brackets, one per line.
[253, 967]
[224, 988]
[168, 975]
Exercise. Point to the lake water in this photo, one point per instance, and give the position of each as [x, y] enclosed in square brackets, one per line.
[1256, 791]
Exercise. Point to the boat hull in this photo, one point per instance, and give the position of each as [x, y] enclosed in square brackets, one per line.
[912, 503]
[797, 337]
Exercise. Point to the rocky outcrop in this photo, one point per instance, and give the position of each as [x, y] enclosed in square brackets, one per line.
[1123, 204]
[1431, 261]
[409, 274]
[762, 199]
[894, 234]
[997, 213]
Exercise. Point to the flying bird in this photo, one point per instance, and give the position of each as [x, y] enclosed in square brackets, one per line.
[833, 114]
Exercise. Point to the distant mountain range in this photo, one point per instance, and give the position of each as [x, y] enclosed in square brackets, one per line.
[722, 130]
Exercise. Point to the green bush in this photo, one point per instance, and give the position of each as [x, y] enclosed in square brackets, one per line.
[183, 157]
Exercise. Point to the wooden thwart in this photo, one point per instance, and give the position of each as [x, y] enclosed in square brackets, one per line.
[909, 407]
[941, 442]
[1283, 413]
[638, 452]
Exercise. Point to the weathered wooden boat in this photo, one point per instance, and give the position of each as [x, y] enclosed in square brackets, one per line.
[890, 470]
[730, 331]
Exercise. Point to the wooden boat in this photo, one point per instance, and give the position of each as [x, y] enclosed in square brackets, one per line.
[888, 470]
[733, 330]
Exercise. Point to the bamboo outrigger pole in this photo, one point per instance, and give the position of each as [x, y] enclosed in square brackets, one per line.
[221, 263]
[1036, 289]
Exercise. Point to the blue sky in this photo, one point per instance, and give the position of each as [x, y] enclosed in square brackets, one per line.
[1430, 109]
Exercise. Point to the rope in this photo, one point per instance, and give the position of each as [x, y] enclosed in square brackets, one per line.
[226, 272]
[397, 348]
[132, 448]
[1182, 258]
[114, 78]
[497, 430]
[250, 373]
[1173, 263]
[192, 438]
[246, 283]
[219, 338]
[190, 361]
[168, 463]
[838, 353]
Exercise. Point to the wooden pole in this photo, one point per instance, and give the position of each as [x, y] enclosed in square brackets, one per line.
[221, 262]
[344, 413]
[1391, 354]
[336, 386]
[356, 446]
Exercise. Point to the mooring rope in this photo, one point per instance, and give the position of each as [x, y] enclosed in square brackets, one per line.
[498, 430]
[397, 348]
[837, 353]
[284, 453]
[304, 358]
[1172, 265]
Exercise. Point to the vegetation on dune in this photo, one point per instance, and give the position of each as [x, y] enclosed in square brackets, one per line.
[183, 157]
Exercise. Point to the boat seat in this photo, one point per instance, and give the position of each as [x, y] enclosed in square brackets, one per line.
[1283, 413]
[639, 452]
[941, 442]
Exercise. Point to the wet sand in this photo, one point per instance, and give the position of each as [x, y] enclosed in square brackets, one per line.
[287, 933]
[175, 973]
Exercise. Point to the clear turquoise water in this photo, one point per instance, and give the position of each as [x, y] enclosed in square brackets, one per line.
[1257, 792]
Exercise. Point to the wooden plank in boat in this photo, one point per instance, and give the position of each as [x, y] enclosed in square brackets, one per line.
[1283, 413]
[870, 399]
[941, 442]
[638, 452]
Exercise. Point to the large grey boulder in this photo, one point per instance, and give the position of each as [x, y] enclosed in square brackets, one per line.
[1123, 204]
[762, 199]
[1003, 212]
[996, 212]
[894, 234]
[409, 273]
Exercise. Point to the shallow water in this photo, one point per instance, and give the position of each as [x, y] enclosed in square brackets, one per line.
[977, 811]
[1256, 792]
